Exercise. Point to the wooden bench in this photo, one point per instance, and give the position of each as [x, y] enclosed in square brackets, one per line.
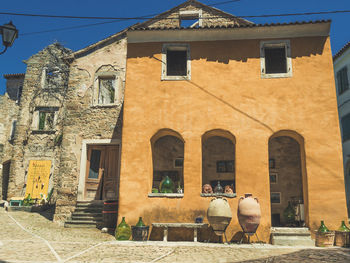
[194, 226]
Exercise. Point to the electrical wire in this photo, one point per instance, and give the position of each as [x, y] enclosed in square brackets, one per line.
[224, 3]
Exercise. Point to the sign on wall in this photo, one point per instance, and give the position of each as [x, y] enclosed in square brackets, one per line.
[38, 178]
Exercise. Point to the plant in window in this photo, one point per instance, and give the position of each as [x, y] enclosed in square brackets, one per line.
[46, 120]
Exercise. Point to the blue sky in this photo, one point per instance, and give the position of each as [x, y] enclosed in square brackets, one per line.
[28, 43]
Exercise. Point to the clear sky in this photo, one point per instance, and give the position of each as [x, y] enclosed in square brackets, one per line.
[29, 43]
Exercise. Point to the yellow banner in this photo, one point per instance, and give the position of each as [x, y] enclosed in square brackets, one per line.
[38, 178]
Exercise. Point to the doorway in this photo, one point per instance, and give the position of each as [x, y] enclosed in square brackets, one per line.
[5, 178]
[102, 172]
[286, 184]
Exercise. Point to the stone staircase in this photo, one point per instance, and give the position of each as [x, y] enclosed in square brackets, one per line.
[291, 236]
[87, 214]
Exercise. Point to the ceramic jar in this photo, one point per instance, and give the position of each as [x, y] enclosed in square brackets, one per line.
[249, 213]
[219, 215]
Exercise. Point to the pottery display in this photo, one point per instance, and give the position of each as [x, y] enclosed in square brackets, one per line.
[219, 215]
[249, 213]
[207, 189]
[123, 231]
[228, 189]
[167, 185]
[218, 189]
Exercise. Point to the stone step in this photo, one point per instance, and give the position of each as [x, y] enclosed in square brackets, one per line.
[86, 218]
[86, 214]
[288, 236]
[88, 210]
[81, 223]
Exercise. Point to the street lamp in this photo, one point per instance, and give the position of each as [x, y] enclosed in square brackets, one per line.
[9, 34]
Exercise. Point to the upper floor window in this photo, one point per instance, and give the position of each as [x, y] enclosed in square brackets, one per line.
[44, 118]
[176, 63]
[275, 59]
[345, 123]
[342, 80]
[106, 90]
[13, 130]
[19, 94]
[51, 77]
[190, 18]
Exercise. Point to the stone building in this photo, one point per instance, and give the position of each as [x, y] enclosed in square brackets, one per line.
[9, 105]
[341, 61]
[36, 149]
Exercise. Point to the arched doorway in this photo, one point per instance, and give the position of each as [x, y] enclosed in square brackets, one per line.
[286, 181]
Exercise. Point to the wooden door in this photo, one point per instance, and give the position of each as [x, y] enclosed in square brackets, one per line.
[111, 173]
[94, 172]
[102, 173]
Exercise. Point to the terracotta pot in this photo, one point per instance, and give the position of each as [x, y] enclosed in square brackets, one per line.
[219, 215]
[249, 213]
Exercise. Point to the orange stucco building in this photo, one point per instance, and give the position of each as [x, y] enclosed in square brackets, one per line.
[226, 85]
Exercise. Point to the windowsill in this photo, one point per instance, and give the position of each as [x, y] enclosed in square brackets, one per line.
[176, 77]
[112, 105]
[276, 75]
[43, 131]
[169, 195]
[219, 195]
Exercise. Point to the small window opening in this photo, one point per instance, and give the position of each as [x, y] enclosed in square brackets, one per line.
[13, 129]
[106, 91]
[46, 120]
[275, 60]
[189, 22]
[342, 79]
[19, 94]
[176, 62]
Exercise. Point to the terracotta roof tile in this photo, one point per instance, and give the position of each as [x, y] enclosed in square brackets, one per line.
[16, 75]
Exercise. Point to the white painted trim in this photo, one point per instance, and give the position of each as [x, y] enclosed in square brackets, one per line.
[83, 160]
[191, 13]
[276, 43]
[174, 46]
[117, 87]
[203, 34]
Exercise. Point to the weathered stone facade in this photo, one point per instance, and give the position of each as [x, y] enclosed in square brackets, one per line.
[9, 105]
[43, 95]
[89, 122]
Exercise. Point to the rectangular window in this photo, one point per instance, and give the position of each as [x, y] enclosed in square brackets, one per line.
[275, 59]
[106, 90]
[13, 129]
[176, 62]
[190, 19]
[44, 118]
[345, 123]
[94, 164]
[342, 79]
[19, 94]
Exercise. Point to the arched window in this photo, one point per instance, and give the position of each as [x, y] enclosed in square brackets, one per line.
[168, 159]
[218, 161]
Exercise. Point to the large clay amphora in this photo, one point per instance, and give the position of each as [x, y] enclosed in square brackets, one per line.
[249, 213]
[219, 215]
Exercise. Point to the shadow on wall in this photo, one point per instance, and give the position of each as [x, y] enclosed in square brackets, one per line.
[238, 50]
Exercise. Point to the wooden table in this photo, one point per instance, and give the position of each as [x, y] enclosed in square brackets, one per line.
[194, 226]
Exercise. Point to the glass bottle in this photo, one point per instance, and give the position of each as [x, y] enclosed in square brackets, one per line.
[323, 228]
[167, 185]
[123, 231]
[343, 227]
[218, 188]
[140, 222]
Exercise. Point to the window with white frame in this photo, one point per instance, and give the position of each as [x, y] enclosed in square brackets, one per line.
[106, 89]
[190, 19]
[176, 62]
[45, 118]
[275, 59]
[342, 80]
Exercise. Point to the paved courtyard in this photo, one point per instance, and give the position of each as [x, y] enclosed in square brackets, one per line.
[31, 237]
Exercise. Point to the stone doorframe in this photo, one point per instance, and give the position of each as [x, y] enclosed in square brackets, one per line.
[83, 160]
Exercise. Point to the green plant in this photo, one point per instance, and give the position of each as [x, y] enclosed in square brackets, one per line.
[28, 201]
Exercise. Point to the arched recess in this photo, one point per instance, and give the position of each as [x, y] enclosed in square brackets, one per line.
[168, 158]
[288, 178]
[218, 160]
[347, 185]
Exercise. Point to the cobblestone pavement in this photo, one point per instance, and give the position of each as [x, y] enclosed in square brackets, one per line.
[31, 237]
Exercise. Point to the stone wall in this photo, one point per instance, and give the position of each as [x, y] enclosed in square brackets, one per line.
[85, 118]
[44, 87]
[8, 113]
